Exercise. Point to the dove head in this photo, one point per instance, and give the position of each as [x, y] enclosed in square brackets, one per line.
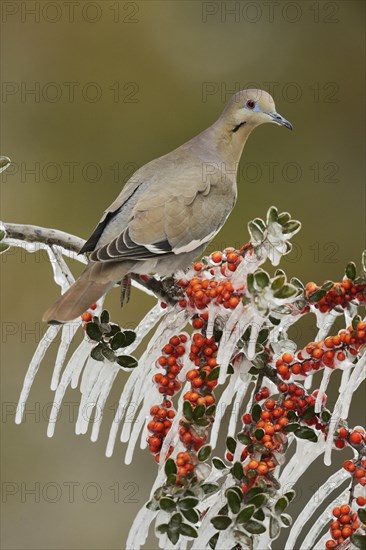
[250, 108]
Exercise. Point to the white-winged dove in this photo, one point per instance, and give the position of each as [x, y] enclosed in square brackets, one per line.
[170, 209]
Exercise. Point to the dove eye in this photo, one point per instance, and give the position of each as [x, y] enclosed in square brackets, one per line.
[250, 104]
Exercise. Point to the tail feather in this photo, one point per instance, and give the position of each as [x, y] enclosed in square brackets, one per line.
[79, 297]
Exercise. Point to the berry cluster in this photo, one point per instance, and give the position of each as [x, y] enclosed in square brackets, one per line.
[340, 294]
[264, 431]
[211, 283]
[328, 353]
[344, 525]
[168, 385]
[357, 468]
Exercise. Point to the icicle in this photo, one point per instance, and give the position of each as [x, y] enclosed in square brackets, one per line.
[102, 398]
[342, 405]
[239, 320]
[324, 491]
[240, 394]
[323, 388]
[324, 519]
[205, 531]
[89, 400]
[140, 529]
[257, 323]
[76, 363]
[306, 452]
[144, 386]
[350, 388]
[90, 376]
[325, 321]
[67, 335]
[225, 400]
[172, 437]
[34, 365]
[133, 391]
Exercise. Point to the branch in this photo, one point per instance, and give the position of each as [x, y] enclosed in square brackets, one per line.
[162, 290]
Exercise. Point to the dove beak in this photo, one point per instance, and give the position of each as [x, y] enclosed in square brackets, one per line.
[278, 119]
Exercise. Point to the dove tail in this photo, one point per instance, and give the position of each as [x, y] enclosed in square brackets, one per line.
[79, 297]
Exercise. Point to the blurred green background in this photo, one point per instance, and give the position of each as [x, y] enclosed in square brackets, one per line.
[91, 91]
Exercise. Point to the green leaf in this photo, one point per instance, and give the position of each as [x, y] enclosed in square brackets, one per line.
[359, 541]
[256, 412]
[129, 336]
[167, 504]
[2, 234]
[104, 316]
[191, 515]
[163, 528]
[259, 434]
[257, 500]
[3, 247]
[245, 514]
[291, 427]
[260, 223]
[108, 354]
[202, 422]
[362, 515]
[213, 541]
[237, 471]
[274, 528]
[290, 495]
[261, 279]
[284, 217]
[198, 412]
[278, 282]
[171, 479]
[93, 331]
[254, 527]
[256, 233]
[254, 491]
[250, 283]
[209, 488]
[173, 535]
[272, 214]
[259, 514]
[175, 520]
[309, 413]
[170, 467]
[287, 291]
[117, 341]
[244, 438]
[286, 520]
[221, 522]
[231, 444]
[292, 226]
[188, 530]
[351, 270]
[210, 411]
[96, 353]
[233, 500]
[187, 410]
[188, 503]
[325, 416]
[127, 361]
[204, 453]
[214, 374]
[317, 295]
[218, 463]
[281, 505]
[306, 433]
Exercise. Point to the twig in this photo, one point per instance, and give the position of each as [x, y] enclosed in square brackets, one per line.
[163, 290]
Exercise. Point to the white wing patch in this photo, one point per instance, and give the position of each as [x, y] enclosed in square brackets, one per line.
[195, 243]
